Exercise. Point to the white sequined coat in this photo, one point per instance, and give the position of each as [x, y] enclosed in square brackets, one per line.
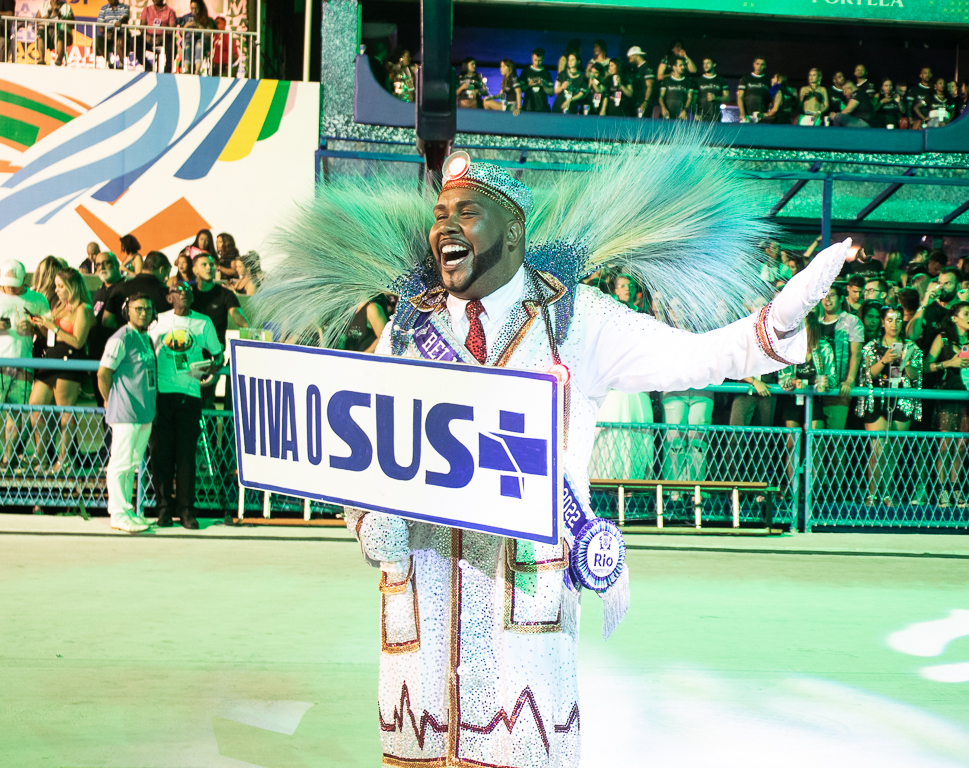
[479, 632]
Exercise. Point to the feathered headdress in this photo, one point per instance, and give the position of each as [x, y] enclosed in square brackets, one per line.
[676, 216]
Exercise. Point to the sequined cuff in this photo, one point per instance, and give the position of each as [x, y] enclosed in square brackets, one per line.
[384, 537]
[779, 350]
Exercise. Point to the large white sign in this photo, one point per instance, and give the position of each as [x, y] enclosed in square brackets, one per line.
[453, 444]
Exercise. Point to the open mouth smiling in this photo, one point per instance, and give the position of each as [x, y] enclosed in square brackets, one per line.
[454, 254]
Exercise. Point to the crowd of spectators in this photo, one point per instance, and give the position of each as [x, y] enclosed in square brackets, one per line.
[122, 40]
[160, 337]
[896, 323]
[677, 87]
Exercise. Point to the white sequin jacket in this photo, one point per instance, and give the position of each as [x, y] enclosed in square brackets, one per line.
[478, 632]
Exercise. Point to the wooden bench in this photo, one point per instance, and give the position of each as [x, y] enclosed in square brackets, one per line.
[697, 486]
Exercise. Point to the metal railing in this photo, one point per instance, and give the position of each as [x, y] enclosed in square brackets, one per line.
[137, 47]
[56, 456]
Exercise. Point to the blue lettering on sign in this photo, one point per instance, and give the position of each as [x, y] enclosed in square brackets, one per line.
[277, 399]
[512, 453]
[314, 424]
[342, 423]
[385, 440]
[438, 430]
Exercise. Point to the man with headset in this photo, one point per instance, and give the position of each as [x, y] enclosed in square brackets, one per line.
[128, 380]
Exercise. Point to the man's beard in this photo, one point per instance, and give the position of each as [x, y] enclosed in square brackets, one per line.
[483, 262]
[947, 294]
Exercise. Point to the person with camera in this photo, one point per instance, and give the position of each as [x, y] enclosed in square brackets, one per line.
[127, 380]
[17, 305]
[618, 93]
[949, 358]
[886, 363]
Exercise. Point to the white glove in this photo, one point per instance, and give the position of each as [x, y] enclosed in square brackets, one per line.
[807, 288]
[384, 537]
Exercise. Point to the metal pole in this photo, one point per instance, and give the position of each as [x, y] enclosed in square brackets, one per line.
[808, 483]
[659, 506]
[265, 504]
[307, 22]
[827, 193]
[697, 502]
[306, 510]
[736, 507]
[258, 50]
[622, 506]
[242, 503]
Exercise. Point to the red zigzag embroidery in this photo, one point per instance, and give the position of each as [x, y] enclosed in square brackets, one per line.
[526, 697]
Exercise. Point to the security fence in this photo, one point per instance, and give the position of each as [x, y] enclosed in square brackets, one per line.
[55, 457]
[695, 453]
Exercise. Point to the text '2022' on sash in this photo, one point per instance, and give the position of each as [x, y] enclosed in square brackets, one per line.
[471, 447]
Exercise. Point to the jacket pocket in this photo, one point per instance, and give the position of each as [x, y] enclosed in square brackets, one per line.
[533, 586]
[400, 623]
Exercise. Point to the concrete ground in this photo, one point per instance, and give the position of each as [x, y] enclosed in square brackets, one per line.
[255, 646]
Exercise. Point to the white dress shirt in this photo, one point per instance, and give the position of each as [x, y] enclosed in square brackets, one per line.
[497, 307]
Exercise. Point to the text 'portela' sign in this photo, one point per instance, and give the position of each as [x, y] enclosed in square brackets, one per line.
[460, 445]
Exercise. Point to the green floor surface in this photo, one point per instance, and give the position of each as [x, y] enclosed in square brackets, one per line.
[120, 652]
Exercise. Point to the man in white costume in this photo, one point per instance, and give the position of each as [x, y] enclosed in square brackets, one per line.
[479, 632]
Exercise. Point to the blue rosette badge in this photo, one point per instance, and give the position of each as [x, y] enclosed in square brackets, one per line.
[598, 555]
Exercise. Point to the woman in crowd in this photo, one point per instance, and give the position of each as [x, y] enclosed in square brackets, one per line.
[816, 372]
[883, 360]
[58, 37]
[949, 357]
[623, 451]
[933, 110]
[572, 88]
[250, 274]
[227, 253]
[131, 255]
[888, 106]
[42, 281]
[205, 242]
[618, 93]
[365, 328]
[573, 46]
[196, 46]
[510, 97]
[471, 86]
[66, 328]
[183, 270]
[403, 76]
[814, 99]
[870, 315]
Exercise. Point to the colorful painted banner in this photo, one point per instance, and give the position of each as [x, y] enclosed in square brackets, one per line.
[233, 11]
[93, 155]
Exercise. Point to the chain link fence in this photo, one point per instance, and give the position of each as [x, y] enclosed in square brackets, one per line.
[888, 479]
[55, 457]
[707, 452]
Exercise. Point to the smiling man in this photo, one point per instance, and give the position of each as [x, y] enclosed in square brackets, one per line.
[479, 632]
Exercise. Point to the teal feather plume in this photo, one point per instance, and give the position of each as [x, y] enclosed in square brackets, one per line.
[352, 241]
[675, 215]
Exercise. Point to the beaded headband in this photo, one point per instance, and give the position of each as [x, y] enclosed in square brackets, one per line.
[489, 180]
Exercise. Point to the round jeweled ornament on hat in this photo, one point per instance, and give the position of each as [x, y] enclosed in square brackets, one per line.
[456, 166]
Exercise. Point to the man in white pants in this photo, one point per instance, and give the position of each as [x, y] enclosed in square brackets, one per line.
[127, 379]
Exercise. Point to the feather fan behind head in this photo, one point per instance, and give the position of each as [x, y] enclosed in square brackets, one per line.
[351, 242]
[676, 216]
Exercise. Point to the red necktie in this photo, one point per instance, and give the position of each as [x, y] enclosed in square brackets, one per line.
[476, 343]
